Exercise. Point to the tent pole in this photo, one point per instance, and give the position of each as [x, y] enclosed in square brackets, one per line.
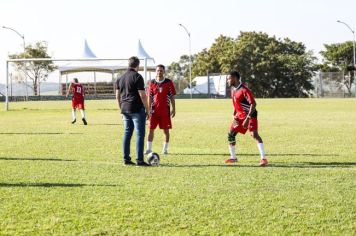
[59, 84]
[145, 70]
[66, 83]
[7, 87]
[113, 81]
[94, 83]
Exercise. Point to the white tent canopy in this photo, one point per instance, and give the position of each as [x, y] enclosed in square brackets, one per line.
[106, 66]
[142, 54]
[216, 85]
[91, 66]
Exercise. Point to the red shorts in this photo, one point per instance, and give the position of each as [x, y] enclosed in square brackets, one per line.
[164, 122]
[78, 103]
[237, 127]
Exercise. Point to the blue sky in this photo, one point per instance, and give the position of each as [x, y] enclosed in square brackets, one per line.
[113, 27]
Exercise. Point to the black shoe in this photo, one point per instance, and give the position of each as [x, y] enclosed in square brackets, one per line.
[129, 163]
[142, 164]
[73, 121]
[84, 121]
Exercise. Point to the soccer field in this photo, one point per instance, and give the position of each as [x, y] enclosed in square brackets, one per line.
[64, 179]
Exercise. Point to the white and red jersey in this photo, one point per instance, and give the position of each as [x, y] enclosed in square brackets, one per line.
[78, 91]
[242, 100]
[160, 93]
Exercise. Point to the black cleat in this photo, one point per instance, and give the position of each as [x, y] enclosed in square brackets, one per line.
[73, 121]
[84, 121]
[143, 164]
[129, 163]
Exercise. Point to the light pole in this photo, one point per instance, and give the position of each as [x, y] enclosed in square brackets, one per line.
[21, 35]
[190, 59]
[353, 33]
[7, 67]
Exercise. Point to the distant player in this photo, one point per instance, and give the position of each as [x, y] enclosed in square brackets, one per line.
[77, 100]
[245, 117]
[161, 94]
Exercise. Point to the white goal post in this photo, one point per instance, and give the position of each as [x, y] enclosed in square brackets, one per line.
[145, 68]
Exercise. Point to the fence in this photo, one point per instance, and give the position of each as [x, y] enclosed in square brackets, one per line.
[333, 84]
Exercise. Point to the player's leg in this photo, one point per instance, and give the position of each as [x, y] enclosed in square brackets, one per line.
[166, 141]
[255, 135]
[149, 141]
[153, 122]
[74, 115]
[231, 137]
[139, 120]
[128, 130]
[253, 128]
[82, 111]
[165, 124]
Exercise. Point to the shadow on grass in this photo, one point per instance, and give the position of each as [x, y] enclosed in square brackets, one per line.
[249, 154]
[105, 124]
[32, 159]
[36, 133]
[52, 185]
[310, 165]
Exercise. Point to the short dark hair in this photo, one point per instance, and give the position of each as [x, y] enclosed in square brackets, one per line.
[75, 80]
[235, 73]
[161, 66]
[134, 62]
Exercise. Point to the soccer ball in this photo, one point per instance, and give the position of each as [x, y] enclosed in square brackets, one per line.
[153, 159]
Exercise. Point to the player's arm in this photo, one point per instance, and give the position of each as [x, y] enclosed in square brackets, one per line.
[117, 95]
[69, 89]
[150, 92]
[252, 102]
[173, 101]
[144, 99]
[248, 117]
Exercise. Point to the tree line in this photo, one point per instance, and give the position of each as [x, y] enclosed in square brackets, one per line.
[271, 67]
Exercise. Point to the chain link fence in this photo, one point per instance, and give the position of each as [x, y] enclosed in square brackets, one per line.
[333, 84]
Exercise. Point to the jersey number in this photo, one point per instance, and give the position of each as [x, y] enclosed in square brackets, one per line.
[79, 90]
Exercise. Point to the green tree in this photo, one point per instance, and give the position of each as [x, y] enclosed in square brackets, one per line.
[37, 71]
[182, 66]
[271, 67]
[337, 58]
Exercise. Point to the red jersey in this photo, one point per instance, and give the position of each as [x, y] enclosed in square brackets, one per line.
[78, 91]
[161, 93]
[242, 100]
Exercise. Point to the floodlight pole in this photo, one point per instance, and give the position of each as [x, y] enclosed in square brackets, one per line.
[190, 59]
[353, 43]
[7, 66]
[21, 35]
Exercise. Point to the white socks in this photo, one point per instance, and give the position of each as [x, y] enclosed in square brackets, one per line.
[83, 113]
[164, 150]
[149, 146]
[165, 146]
[74, 114]
[262, 150]
[232, 151]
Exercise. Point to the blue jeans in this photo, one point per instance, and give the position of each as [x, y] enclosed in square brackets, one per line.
[134, 121]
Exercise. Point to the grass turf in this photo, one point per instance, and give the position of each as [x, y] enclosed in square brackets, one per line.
[59, 178]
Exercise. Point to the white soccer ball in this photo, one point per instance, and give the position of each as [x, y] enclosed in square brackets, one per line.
[153, 159]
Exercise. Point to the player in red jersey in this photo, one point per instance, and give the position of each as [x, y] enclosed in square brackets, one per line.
[244, 118]
[77, 100]
[161, 94]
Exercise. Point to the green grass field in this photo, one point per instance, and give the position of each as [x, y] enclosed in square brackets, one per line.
[63, 179]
